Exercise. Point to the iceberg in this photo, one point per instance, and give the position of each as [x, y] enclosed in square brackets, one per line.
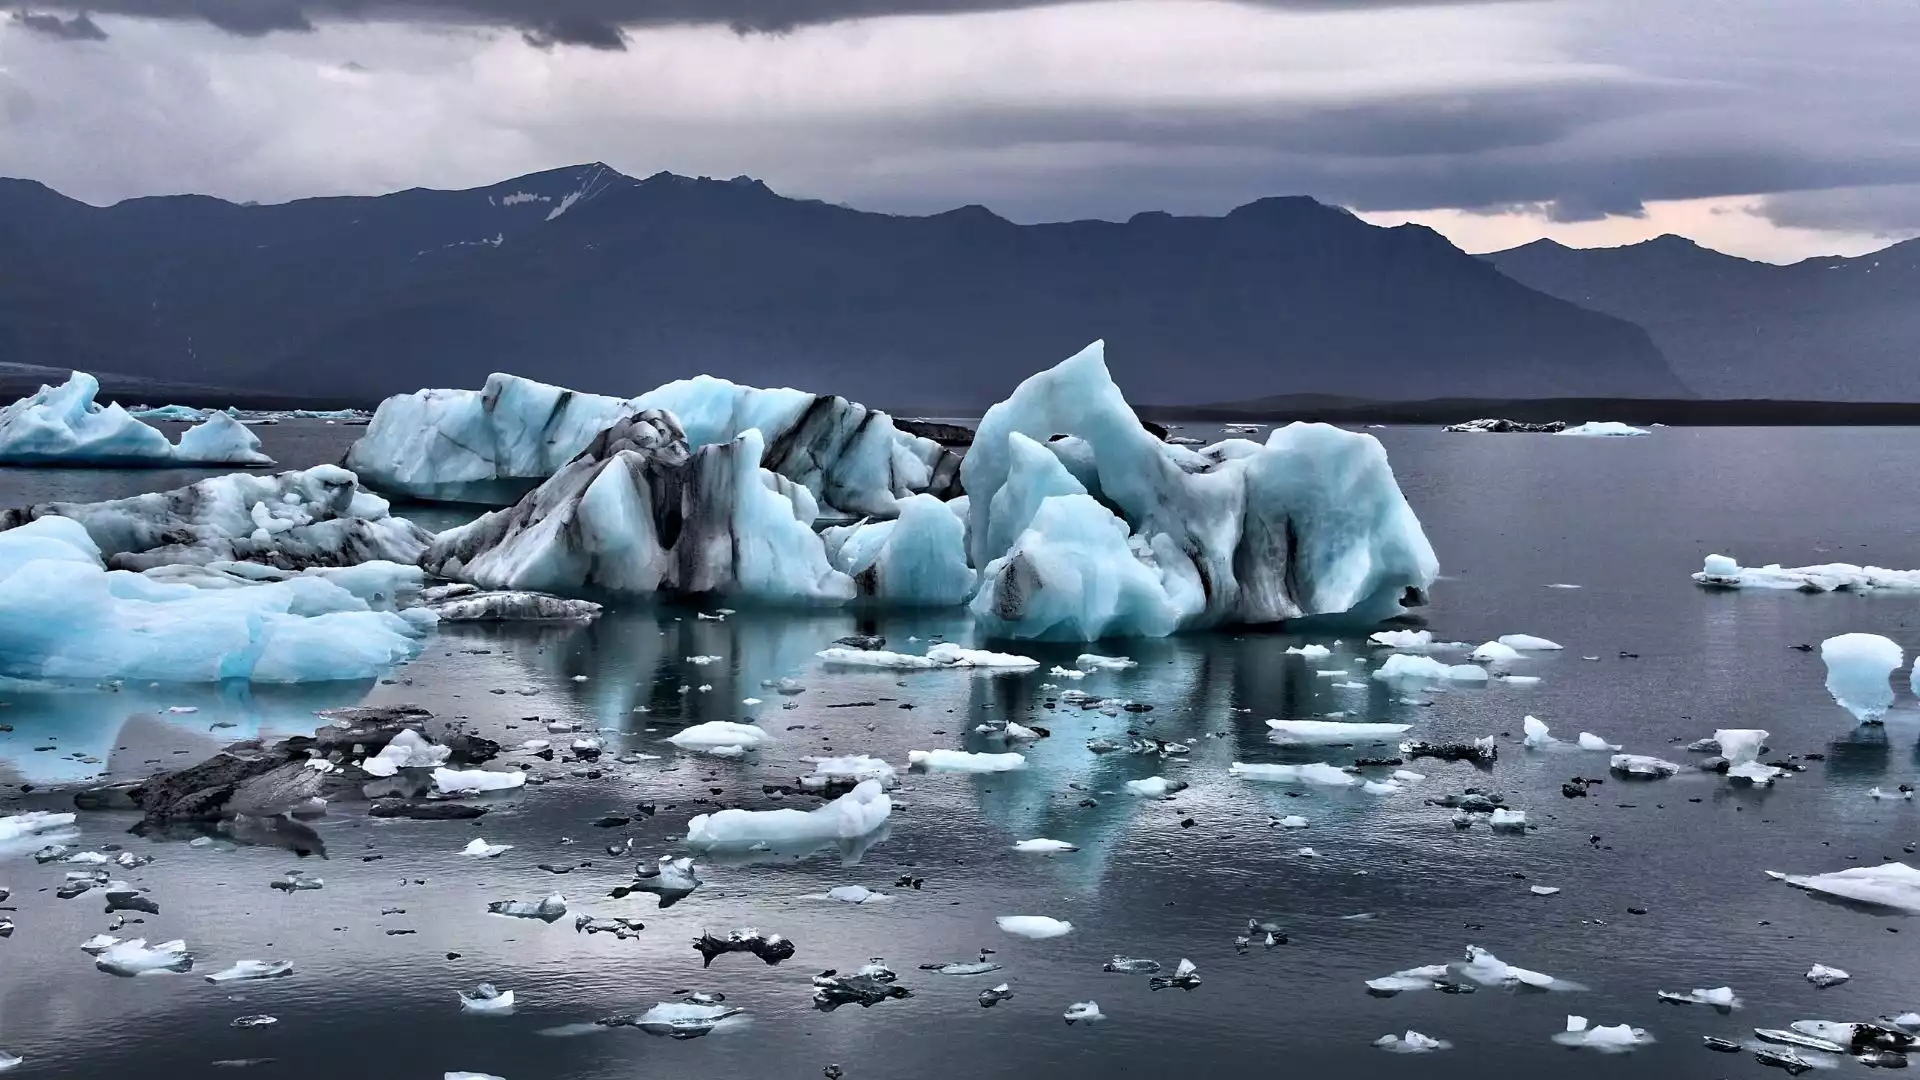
[1823, 976]
[1318, 773]
[1603, 428]
[1720, 997]
[1155, 787]
[917, 558]
[489, 446]
[1589, 741]
[684, 1019]
[1893, 885]
[319, 517]
[64, 616]
[1857, 669]
[637, 513]
[467, 603]
[962, 761]
[1741, 747]
[1404, 640]
[855, 814]
[719, 733]
[1309, 523]
[1033, 926]
[65, 425]
[1722, 572]
[1311, 732]
[1095, 662]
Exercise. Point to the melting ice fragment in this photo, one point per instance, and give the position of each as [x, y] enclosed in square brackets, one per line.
[720, 734]
[1615, 1039]
[855, 814]
[1084, 1011]
[683, 1019]
[548, 909]
[1641, 767]
[1127, 965]
[1317, 773]
[1042, 846]
[487, 999]
[1603, 429]
[1889, 885]
[476, 781]
[480, 849]
[867, 987]
[1096, 662]
[962, 761]
[848, 771]
[1185, 977]
[1723, 572]
[1528, 643]
[1857, 669]
[1480, 966]
[943, 655]
[1720, 997]
[1823, 976]
[770, 948]
[1495, 652]
[252, 969]
[1155, 787]
[1589, 741]
[1310, 651]
[1310, 732]
[134, 958]
[1407, 667]
[1033, 926]
[1411, 1043]
[65, 425]
[408, 749]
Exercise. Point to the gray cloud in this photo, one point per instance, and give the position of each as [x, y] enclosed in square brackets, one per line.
[1891, 211]
[80, 27]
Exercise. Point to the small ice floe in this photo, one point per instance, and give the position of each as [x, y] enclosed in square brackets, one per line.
[851, 894]
[1382, 787]
[856, 814]
[1480, 966]
[480, 849]
[1544, 890]
[1155, 787]
[1292, 821]
[470, 1076]
[1905, 791]
[1892, 885]
[1043, 846]
[1529, 643]
[548, 909]
[1641, 767]
[254, 1021]
[132, 957]
[1016, 732]
[1319, 773]
[98, 944]
[486, 999]
[1404, 640]
[297, 881]
[770, 948]
[1603, 429]
[688, 1019]
[622, 929]
[1589, 741]
[1127, 965]
[1614, 1039]
[1725, 572]
[1741, 747]
[1857, 669]
[408, 749]
[1307, 853]
[1084, 1011]
[1481, 751]
[9, 1061]
[944, 655]
[702, 660]
[1858, 1037]
[1536, 734]
[1059, 672]
[982, 966]
[1408, 776]
[1271, 933]
[1034, 926]
[1310, 652]
[994, 995]
[1185, 977]
[476, 781]
[867, 987]
[1411, 1043]
[1823, 976]
[1315, 732]
[1784, 1037]
[245, 970]
[1720, 997]
[1508, 820]
[962, 761]
[848, 771]
[1095, 662]
[720, 734]
[33, 823]
[1494, 652]
[1412, 668]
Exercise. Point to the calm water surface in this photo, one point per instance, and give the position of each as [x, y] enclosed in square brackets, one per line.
[1626, 520]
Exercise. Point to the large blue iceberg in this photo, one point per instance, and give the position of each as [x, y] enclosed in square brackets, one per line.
[65, 425]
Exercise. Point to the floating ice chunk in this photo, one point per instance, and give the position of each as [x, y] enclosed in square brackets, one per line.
[962, 761]
[475, 781]
[853, 894]
[1494, 652]
[550, 908]
[1614, 1039]
[406, 750]
[1155, 787]
[1096, 662]
[470, 1076]
[1310, 652]
[1033, 926]
[65, 425]
[853, 815]
[1408, 776]
[1381, 787]
[1857, 670]
[33, 823]
[1086, 1011]
[1641, 766]
[1404, 640]
[848, 771]
[1721, 572]
[1889, 885]
[1519, 680]
[1823, 976]
[1503, 818]
[98, 944]
[943, 655]
[1043, 846]
[1544, 890]
[1603, 428]
[1307, 853]
[1066, 673]
[1537, 736]
[243, 970]
[1293, 821]
[512, 605]
[684, 1020]
[1489, 970]
[9, 1061]
[1589, 741]
[1900, 793]
[1527, 643]
[1720, 997]
[1317, 773]
[918, 558]
[1185, 976]
[486, 999]
[1311, 732]
[1411, 1043]
[480, 849]
[720, 733]
[1411, 668]
[132, 957]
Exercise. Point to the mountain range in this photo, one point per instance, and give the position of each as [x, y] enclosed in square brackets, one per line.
[1825, 329]
[589, 278]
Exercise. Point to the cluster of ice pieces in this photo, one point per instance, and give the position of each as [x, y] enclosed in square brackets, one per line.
[65, 425]
[1723, 572]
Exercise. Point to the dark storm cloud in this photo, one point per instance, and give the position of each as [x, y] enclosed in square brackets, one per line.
[601, 24]
[78, 28]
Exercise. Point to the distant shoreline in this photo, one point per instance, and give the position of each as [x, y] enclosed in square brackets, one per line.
[1686, 412]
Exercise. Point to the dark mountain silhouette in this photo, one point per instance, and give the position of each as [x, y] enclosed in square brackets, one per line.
[589, 278]
[1838, 329]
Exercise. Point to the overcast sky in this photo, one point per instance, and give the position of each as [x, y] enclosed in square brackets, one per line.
[1775, 129]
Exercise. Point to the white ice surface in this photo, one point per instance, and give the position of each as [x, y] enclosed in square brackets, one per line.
[1034, 926]
[963, 761]
[719, 733]
[855, 814]
[1603, 428]
[1318, 773]
[916, 559]
[64, 425]
[1309, 732]
[1890, 885]
[1723, 572]
[1858, 666]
